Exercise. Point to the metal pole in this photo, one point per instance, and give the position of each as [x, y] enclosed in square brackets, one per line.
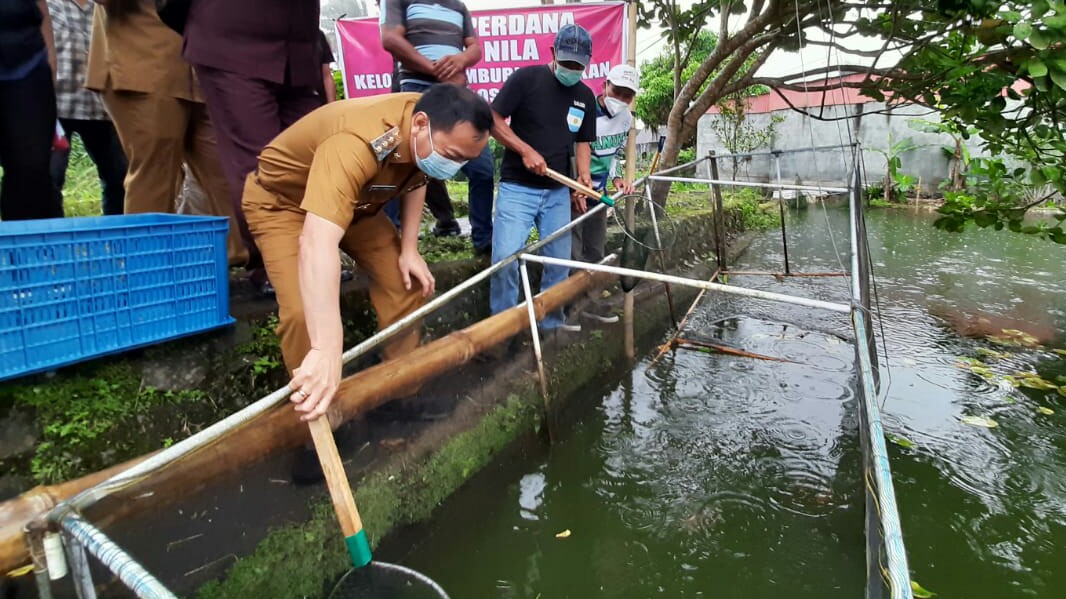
[897, 572]
[536, 337]
[730, 183]
[781, 210]
[34, 536]
[792, 151]
[79, 567]
[719, 216]
[654, 276]
[132, 574]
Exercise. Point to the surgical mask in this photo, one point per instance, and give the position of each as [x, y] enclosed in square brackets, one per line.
[568, 77]
[435, 165]
[615, 107]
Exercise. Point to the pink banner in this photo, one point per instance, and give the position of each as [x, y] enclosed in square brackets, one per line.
[510, 39]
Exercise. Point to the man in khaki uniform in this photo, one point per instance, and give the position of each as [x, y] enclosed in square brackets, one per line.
[155, 103]
[321, 184]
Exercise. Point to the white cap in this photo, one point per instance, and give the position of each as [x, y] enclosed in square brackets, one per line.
[626, 76]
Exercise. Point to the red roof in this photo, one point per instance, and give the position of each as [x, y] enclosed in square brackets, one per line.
[773, 101]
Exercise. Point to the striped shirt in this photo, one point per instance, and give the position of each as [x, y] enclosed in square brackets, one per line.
[436, 28]
[72, 26]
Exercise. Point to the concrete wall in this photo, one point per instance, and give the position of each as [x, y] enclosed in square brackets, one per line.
[875, 130]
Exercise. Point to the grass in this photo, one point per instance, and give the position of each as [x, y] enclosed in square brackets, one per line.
[91, 420]
[81, 191]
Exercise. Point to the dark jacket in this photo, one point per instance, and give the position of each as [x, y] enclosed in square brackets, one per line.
[272, 40]
[20, 33]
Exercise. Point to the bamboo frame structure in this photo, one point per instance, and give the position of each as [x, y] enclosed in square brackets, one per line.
[269, 430]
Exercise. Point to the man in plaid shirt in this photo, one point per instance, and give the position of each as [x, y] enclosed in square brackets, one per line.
[82, 111]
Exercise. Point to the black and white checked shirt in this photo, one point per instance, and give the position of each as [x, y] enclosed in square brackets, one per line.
[72, 26]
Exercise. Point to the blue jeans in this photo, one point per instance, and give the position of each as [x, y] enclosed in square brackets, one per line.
[481, 173]
[518, 209]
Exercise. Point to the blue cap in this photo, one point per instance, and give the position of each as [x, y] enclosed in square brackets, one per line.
[573, 44]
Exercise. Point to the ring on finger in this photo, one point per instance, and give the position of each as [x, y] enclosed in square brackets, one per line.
[300, 394]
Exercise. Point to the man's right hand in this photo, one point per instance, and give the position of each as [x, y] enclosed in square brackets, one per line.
[315, 382]
[534, 162]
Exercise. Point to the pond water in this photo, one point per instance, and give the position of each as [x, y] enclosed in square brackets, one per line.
[709, 475]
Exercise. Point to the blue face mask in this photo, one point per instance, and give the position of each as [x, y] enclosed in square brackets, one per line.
[568, 77]
[435, 165]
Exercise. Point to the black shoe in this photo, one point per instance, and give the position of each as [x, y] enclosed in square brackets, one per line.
[451, 229]
[414, 409]
[483, 251]
[306, 469]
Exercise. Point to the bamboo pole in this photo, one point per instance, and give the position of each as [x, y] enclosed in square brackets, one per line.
[631, 169]
[280, 428]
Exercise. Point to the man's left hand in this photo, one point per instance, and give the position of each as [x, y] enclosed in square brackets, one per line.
[413, 266]
[586, 180]
[626, 187]
[444, 69]
[577, 202]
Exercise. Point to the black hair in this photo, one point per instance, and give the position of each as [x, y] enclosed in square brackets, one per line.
[447, 105]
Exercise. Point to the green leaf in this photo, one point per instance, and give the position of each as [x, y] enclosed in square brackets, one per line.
[1059, 78]
[901, 441]
[1039, 39]
[1036, 177]
[1023, 30]
[981, 421]
[1045, 411]
[1036, 67]
[1033, 381]
[1040, 8]
[1011, 16]
[919, 592]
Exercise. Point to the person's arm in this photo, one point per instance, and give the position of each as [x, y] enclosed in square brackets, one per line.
[46, 32]
[411, 263]
[620, 184]
[503, 133]
[328, 84]
[341, 167]
[511, 97]
[319, 374]
[394, 42]
[585, 136]
[584, 163]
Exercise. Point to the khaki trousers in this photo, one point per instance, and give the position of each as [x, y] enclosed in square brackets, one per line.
[371, 241]
[158, 134]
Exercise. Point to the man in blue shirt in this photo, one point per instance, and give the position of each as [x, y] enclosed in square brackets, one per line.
[434, 41]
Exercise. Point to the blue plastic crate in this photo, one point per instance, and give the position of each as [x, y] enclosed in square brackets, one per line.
[79, 288]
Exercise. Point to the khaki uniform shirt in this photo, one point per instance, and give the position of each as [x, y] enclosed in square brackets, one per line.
[343, 161]
[138, 53]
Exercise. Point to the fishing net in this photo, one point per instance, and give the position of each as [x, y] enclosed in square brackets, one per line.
[648, 229]
[381, 580]
[645, 223]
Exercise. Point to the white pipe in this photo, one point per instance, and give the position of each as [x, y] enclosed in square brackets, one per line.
[746, 183]
[652, 276]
